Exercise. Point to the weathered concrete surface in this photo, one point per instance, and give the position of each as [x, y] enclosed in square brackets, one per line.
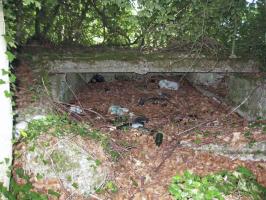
[238, 88]
[64, 87]
[241, 87]
[254, 152]
[206, 79]
[72, 70]
[161, 66]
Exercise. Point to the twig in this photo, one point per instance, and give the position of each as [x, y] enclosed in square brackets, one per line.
[83, 108]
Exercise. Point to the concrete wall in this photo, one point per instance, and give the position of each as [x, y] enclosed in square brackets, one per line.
[238, 87]
[64, 87]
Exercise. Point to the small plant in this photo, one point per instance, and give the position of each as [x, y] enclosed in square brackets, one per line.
[198, 139]
[216, 186]
[109, 186]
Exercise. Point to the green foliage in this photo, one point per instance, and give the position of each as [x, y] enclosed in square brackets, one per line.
[216, 186]
[209, 27]
[109, 186]
[22, 191]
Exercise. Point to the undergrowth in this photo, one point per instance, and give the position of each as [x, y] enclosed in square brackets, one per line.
[24, 191]
[216, 186]
[60, 125]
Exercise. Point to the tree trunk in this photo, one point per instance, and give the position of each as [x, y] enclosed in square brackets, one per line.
[19, 21]
[37, 25]
[6, 119]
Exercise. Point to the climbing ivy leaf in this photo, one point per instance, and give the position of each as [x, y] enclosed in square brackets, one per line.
[2, 82]
[10, 56]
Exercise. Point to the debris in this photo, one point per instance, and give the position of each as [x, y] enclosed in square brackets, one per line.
[139, 122]
[97, 78]
[117, 110]
[171, 85]
[158, 139]
[163, 94]
[75, 109]
[19, 127]
[136, 123]
[154, 100]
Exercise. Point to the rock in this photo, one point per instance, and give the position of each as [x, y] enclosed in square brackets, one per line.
[117, 110]
[23, 125]
[65, 160]
[168, 85]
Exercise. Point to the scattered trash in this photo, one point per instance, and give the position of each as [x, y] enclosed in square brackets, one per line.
[171, 85]
[153, 100]
[158, 139]
[136, 123]
[97, 78]
[75, 109]
[163, 94]
[139, 122]
[117, 110]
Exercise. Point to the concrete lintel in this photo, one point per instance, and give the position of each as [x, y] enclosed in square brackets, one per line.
[161, 66]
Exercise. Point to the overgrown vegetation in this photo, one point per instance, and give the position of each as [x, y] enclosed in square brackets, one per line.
[24, 191]
[209, 27]
[60, 125]
[217, 186]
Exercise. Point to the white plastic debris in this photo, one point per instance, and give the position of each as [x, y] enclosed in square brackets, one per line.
[137, 125]
[171, 85]
[20, 127]
[35, 117]
[117, 110]
[75, 109]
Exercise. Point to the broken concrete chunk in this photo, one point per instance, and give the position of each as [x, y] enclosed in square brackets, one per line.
[65, 160]
[171, 85]
[117, 110]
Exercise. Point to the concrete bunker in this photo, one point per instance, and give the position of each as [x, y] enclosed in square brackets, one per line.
[236, 77]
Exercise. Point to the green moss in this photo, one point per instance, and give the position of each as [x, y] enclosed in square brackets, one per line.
[62, 162]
